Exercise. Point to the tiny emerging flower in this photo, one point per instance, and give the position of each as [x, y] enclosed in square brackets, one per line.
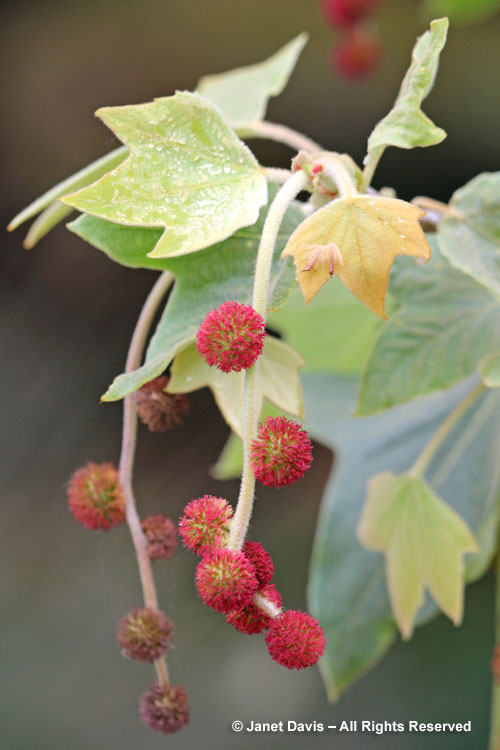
[226, 580]
[159, 410]
[161, 534]
[324, 255]
[251, 619]
[282, 452]
[144, 634]
[231, 337]
[96, 497]
[165, 710]
[261, 560]
[204, 523]
[295, 640]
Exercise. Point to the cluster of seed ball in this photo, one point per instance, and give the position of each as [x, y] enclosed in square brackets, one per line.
[357, 52]
[97, 500]
[236, 583]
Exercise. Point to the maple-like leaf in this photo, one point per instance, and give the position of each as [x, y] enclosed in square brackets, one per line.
[357, 238]
[278, 381]
[424, 541]
[187, 173]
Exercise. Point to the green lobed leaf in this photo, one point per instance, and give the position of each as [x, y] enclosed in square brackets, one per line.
[334, 334]
[242, 94]
[80, 179]
[278, 381]
[203, 281]
[445, 324]
[406, 126]
[126, 245]
[187, 173]
[347, 587]
[470, 236]
[424, 542]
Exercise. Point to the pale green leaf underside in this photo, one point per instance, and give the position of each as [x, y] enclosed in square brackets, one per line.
[347, 587]
[424, 541]
[446, 323]
[187, 173]
[203, 281]
[242, 94]
[334, 334]
[471, 238]
[406, 126]
[278, 381]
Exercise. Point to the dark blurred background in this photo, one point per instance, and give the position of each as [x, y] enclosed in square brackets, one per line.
[67, 315]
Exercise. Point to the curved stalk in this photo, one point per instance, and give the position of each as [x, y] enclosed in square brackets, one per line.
[129, 436]
[284, 197]
[274, 132]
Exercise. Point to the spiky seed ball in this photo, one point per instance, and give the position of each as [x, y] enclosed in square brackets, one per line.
[346, 12]
[95, 496]
[144, 634]
[226, 580]
[204, 523]
[356, 54]
[295, 639]
[161, 534]
[251, 619]
[159, 410]
[282, 452]
[165, 711]
[231, 337]
[261, 560]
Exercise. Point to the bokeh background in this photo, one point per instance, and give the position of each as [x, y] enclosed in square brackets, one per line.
[67, 315]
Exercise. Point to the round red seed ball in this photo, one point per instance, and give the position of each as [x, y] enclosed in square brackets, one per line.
[226, 580]
[204, 523]
[295, 639]
[346, 12]
[165, 711]
[95, 496]
[261, 560]
[231, 337]
[158, 410]
[144, 634]
[282, 452]
[251, 619]
[356, 54]
[161, 535]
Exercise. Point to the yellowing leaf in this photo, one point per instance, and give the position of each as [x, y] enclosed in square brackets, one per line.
[360, 235]
[424, 541]
[187, 173]
[278, 381]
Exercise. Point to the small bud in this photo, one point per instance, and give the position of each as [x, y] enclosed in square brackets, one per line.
[295, 640]
[251, 619]
[356, 54]
[159, 410]
[161, 534]
[165, 710]
[204, 523]
[261, 560]
[226, 580]
[231, 337]
[282, 452]
[96, 497]
[144, 634]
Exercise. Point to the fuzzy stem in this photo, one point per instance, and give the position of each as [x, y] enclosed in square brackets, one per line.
[335, 170]
[266, 605]
[280, 133]
[495, 699]
[429, 204]
[129, 436]
[275, 174]
[282, 200]
[423, 460]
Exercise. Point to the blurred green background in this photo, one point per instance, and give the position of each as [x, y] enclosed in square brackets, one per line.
[67, 315]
